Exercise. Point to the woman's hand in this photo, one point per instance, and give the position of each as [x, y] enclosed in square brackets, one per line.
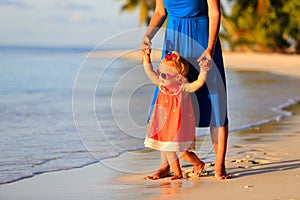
[205, 60]
[146, 45]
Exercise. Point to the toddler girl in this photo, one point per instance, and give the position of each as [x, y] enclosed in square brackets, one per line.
[171, 127]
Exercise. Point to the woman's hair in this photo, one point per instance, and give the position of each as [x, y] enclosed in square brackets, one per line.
[178, 62]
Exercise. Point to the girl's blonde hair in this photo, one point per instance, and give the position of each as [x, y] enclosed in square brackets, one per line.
[178, 62]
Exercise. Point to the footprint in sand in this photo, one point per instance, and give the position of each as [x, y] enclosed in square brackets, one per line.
[248, 186]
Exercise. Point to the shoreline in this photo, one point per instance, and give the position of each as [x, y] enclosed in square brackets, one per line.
[255, 164]
[281, 64]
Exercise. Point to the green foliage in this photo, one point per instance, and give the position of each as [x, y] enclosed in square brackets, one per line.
[264, 25]
[145, 7]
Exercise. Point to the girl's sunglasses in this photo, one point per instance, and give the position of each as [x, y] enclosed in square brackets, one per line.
[166, 76]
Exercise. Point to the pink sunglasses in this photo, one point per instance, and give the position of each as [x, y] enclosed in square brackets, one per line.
[166, 76]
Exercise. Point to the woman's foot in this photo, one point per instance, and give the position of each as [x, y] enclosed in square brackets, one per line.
[223, 175]
[161, 173]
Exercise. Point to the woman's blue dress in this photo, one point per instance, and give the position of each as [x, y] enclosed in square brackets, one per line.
[187, 33]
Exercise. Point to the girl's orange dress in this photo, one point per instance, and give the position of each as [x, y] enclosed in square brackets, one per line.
[172, 123]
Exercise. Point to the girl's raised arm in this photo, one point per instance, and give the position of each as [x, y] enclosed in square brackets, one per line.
[148, 67]
[205, 66]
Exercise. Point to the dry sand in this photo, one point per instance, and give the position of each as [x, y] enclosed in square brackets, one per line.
[268, 168]
[282, 64]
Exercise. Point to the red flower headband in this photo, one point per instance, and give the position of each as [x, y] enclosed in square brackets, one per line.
[171, 56]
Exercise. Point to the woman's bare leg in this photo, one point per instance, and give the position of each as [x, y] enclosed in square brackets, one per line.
[219, 136]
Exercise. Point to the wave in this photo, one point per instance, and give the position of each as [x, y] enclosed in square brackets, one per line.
[44, 49]
[282, 113]
[54, 49]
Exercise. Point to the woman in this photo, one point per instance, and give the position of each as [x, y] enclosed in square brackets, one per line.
[192, 30]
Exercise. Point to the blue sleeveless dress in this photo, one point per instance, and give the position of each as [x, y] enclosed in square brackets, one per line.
[187, 33]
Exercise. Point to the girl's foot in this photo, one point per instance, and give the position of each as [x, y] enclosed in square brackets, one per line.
[161, 173]
[174, 177]
[198, 169]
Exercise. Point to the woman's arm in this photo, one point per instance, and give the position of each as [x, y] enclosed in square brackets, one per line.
[156, 22]
[214, 15]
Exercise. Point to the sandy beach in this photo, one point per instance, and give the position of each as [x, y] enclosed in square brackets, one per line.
[265, 164]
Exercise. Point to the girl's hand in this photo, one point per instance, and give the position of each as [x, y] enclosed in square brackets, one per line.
[146, 57]
[205, 60]
[146, 45]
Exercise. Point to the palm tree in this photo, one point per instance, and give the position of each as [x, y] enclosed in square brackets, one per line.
[145, 7]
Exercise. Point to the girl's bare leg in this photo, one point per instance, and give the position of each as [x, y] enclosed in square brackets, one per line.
[175, 165]
[219, 136]
[192, 158]
[164, 170]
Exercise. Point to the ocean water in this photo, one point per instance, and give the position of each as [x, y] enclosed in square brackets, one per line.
[62, 110]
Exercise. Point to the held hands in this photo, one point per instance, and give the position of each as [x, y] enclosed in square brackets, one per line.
[146, 45]
[146, 50]
[205, 61]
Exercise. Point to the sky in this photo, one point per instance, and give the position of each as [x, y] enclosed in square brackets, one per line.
[62, 22]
